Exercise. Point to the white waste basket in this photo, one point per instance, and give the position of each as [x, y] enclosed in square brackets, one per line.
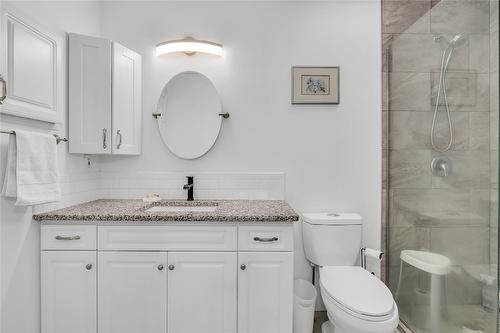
[304, 301]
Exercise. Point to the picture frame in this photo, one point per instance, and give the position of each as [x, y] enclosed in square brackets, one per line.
[315, 85]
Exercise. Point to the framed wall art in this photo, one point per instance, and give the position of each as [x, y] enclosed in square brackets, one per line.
[315, 85]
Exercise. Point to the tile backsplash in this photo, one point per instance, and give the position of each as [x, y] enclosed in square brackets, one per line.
[207, 185]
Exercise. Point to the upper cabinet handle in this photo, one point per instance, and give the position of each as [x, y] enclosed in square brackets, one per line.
[270, 239]
[68, 237]
[4, 89]
[119, 138]
[104, 133]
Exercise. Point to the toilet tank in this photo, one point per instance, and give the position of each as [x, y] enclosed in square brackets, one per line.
[332, 239]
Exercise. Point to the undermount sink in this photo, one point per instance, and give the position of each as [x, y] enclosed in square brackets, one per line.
[181, 209]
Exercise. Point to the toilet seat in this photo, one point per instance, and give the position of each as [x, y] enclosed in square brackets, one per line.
[357, 292]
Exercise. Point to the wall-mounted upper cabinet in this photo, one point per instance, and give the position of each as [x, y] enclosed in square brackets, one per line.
[31, 68]
[105, 105]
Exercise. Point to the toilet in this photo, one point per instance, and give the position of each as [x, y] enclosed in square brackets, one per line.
[356, 300]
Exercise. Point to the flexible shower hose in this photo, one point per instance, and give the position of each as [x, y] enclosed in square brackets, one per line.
[445, 60]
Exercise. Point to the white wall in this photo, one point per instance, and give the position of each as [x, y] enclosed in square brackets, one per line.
[19, 235]
[331, 154]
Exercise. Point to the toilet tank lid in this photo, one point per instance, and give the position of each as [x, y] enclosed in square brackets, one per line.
[332, 218]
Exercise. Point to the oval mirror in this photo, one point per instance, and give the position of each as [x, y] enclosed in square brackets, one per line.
[189, 119]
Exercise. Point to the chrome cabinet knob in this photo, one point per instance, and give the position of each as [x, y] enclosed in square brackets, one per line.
[243, 267]
[88, 267]
[160, 267]
[171, 267]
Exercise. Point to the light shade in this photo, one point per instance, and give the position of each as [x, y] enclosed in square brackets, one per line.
[188, 46]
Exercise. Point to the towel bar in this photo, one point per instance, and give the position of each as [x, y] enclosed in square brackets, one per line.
[58, 138]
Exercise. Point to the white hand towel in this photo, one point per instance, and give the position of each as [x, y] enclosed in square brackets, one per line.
[32, 173]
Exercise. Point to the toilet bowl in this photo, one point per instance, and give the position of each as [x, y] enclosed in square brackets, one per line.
[356, 301]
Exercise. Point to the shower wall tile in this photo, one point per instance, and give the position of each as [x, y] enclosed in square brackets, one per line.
[494, 81]
[467, 91]
[479, 52]
[410, 91]
[494, 120]
[461, 130]
[461, 16]
[421, 53]
[406, 16]
[439, 207]
[479, 207]
[494, 51]
[494, 209]
[494, 246]
[410, 168]
[493, 15]
[494, 169]
[482, 102]
[463, 245]
[411, 130]
[461, 89]
[479, 124]
[468, 170]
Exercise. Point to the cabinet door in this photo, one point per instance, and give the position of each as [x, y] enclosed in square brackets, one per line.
[265, 292]
[69, 298]
[31, 68]
[132, 292]
[127, 103]
[202, 292]
[89, 95]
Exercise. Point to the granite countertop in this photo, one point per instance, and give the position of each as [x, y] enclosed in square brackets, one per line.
[135, 210]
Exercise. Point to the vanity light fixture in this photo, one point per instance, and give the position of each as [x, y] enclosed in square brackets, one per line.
[189, 46]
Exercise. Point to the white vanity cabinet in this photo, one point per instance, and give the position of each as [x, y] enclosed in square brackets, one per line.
[105, 97]
[69, 293]
[264, 296]
[202, 292]
[173, 278]
[132, 295]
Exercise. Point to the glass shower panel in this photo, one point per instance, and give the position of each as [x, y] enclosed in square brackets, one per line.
[441, 105]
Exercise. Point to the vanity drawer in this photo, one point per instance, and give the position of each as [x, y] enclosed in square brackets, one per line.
[265, 238]
[168, 238]
[69, 237]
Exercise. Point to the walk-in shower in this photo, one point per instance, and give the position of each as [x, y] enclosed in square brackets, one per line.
[440, 214]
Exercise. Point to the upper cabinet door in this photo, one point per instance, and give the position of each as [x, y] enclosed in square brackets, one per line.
[31, 69]
[89, 95]
[127, 103]
[69, 295]
[132, 292]
[265, 292]
[202, 292]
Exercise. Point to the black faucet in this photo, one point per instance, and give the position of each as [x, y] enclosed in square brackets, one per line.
[189, 187]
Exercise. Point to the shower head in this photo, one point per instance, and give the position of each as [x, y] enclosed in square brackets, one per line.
[456, 40]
